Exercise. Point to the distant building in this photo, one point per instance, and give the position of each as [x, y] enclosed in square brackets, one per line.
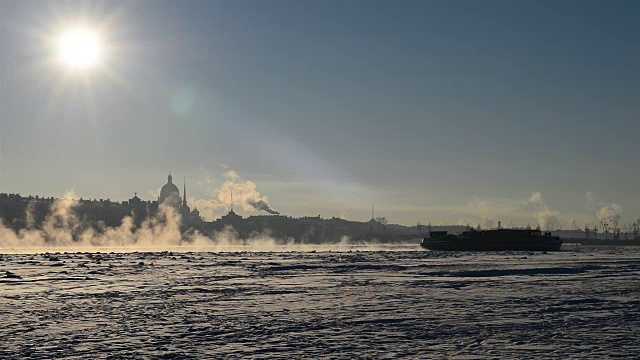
[231, 217]
[31, 212]
[184, 210]
[169, 194]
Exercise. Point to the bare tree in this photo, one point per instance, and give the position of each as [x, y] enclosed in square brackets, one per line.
[382, 220]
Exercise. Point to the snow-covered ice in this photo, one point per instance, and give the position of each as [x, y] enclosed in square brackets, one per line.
[577, 303]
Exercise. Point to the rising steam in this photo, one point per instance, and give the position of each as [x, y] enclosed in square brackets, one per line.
[244, 194]
[263, 206]
[610, 214]
[61, 228]
[63, 231]
[547, 217]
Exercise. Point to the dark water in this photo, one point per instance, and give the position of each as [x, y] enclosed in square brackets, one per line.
[578, 303]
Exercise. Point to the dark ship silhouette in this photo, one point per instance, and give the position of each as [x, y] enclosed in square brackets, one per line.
[493, 240]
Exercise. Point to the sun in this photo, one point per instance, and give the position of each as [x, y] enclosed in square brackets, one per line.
[79, 48]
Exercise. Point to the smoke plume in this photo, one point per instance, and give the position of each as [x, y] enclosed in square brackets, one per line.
[489, 223]
[547, 217]
[592, 201]
[235, 192]
[610, 214]
[263, 206]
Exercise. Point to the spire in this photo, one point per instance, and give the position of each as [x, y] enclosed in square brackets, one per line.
[231, 200]
[184, 193]
[169, 178]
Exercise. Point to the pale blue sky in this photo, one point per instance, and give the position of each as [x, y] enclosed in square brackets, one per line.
[441, 111]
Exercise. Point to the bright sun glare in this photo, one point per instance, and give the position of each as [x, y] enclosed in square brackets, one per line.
[79, 48]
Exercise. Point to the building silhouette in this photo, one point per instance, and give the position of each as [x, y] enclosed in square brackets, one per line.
[169, 194]
[31, 212]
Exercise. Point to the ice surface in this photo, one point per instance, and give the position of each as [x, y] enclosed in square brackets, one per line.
[578, 303]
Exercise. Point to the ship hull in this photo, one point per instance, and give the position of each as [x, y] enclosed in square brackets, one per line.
[494, 241]
[458, 245]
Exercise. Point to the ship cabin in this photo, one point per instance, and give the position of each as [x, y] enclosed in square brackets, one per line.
[506, 233]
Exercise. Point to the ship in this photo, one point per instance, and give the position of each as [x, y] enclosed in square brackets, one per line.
[493, 240]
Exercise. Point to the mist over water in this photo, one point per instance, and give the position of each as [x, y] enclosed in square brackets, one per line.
[63, 231]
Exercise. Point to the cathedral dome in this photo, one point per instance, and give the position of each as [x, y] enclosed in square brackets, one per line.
[170, 193]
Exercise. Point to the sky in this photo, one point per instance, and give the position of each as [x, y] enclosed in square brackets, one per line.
[449, 112]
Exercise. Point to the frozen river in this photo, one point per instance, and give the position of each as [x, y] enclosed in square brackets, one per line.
[580, 302]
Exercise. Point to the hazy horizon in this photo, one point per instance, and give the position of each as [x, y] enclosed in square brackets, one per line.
[441, 112]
